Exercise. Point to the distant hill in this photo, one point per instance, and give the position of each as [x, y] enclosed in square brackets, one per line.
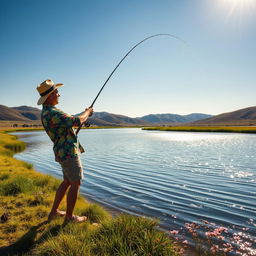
[104, 118]
[245, 116]
[14, 114]
[29, 112]
[173, 118]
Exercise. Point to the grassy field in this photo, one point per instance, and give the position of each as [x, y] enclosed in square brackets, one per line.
[239, 129]
[25, 200]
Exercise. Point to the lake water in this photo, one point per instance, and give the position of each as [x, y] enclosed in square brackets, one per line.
[178, 177]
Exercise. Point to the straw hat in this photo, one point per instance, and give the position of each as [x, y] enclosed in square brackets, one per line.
[45, 89]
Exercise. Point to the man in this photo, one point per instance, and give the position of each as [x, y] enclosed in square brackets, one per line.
[59, 127]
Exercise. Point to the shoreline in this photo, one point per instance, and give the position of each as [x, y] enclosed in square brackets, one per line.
[220, 129]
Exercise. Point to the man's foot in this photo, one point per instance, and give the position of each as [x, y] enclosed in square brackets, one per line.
[76, 219]
[53, 215]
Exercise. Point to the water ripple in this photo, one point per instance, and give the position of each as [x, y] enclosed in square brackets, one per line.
[176, 177]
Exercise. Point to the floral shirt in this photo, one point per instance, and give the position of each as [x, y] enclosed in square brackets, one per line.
[59, 127]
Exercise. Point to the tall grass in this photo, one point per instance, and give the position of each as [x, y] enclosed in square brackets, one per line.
[129, 235]
[10, 145]
[94, 213]
[17, 185]
[126, 235]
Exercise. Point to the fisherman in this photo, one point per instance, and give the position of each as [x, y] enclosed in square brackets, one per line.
[59, 127]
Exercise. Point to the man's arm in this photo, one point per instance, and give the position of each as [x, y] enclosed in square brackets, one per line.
[84, 116]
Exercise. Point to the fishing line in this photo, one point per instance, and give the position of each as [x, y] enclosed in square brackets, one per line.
[170, 35]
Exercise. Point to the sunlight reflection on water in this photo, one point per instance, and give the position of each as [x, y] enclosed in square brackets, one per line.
[189, 136]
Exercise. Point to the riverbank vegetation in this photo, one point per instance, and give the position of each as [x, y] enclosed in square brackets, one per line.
[25, 201]
[234, 129]
[22, 129]
[239, 129]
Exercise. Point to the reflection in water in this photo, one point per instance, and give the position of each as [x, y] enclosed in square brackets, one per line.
[190, 136]
[177, 177]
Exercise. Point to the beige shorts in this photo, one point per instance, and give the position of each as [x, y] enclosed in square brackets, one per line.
[72, 169]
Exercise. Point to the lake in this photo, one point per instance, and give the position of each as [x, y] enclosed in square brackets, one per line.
[178, 177]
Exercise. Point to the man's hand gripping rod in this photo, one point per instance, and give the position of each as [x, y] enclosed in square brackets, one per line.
[86, 124]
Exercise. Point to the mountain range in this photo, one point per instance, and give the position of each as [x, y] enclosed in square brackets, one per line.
[246, 116]
[26, 113]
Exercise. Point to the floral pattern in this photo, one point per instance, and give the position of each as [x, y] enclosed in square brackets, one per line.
[59, 127]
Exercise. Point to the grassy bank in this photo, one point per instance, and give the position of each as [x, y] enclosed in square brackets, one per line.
[239, 129]
[25, 200]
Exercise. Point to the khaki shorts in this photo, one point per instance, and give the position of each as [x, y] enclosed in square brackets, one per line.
[72, 169]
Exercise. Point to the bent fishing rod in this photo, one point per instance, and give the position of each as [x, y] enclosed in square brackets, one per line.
[173, 36]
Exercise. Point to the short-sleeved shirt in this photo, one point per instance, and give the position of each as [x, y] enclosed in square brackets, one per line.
[59, 127]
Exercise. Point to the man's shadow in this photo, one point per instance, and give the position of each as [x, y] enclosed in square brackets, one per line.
[28, 240]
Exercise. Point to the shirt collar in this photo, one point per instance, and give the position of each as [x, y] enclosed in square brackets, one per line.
[48, 106]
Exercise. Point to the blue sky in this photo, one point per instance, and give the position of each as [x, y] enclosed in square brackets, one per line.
[79, 42]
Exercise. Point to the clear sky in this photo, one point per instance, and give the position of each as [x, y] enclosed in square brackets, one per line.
[79, 42]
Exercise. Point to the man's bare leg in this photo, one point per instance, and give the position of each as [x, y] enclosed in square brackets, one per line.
[60, 193]
[71, 201]
[72, 197]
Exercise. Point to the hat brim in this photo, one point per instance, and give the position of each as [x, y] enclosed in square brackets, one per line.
[43, 98]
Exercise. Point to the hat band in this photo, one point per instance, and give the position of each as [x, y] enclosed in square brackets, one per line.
[47, 91]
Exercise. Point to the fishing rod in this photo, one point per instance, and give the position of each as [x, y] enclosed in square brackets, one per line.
[170, 35]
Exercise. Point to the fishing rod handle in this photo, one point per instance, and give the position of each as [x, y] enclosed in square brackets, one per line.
[85, 124]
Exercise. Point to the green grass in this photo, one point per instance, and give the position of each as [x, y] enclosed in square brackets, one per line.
[17, 185]
[10, 145]
[239, 129]
[129, 235]
[26, 197]
[123, 236]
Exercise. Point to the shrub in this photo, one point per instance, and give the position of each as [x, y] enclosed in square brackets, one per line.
[95, 213]
[43, 180]
[28, 165]
[4, 176]
[63, 244]
[129, 235]
[16, 186]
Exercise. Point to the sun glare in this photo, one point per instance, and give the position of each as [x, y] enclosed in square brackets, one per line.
[239, 7]
[238, 12]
